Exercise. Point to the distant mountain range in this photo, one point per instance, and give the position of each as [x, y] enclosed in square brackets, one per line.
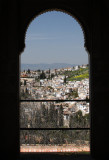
[44, 66]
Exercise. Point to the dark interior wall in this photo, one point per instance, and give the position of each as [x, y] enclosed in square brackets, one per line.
[15, 17]
[100, 86]
[9, 57]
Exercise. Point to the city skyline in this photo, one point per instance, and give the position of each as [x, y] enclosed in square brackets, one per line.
[54, 37]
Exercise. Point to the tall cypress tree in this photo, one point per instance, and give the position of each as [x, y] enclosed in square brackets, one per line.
[42, 75]
[60, 116]
[51, 115]
[65, 80]
[38, 122]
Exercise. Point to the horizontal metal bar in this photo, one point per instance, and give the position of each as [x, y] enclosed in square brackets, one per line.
[30, 129]
[44, 100]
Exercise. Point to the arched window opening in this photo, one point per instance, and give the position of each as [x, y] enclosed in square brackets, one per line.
[54, 86]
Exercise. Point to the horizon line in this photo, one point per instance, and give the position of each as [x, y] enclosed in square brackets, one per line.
[56, 63]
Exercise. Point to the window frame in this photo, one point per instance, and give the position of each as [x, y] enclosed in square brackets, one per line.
[32, 154]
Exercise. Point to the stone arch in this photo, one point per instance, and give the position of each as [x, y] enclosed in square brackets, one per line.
[77, 17]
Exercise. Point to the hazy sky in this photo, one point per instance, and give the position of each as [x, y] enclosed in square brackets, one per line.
[54, 37]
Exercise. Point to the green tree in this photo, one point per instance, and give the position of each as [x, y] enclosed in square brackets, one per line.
[75, 93]
[38, 70]
[78, 120]
[60, 116]
[44, 113]
[28, 71]
[38, 121]
[49, 71]
[55, 118]
[42, 75]
[51, 115]
[24, 82]
[52, 75]
[65, 80]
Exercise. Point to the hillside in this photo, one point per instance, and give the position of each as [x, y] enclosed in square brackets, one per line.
[77, 75]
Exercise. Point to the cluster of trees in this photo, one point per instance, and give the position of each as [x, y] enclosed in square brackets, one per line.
[54, 137]
[72, 94]
[25, 94]
[77, 120]
[50, 117]
[43, 75]
[42, 118]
